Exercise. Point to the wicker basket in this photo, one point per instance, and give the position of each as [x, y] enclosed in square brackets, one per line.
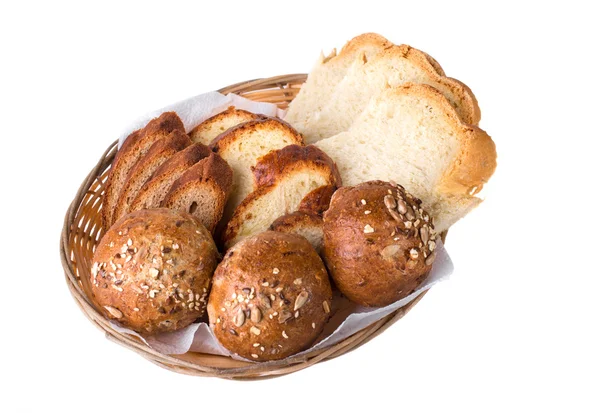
[82, 231]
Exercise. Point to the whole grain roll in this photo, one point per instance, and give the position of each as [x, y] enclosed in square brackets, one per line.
[152, 270]
[379, 242]
[270, 298]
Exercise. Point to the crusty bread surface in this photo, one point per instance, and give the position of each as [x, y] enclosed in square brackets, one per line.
[305, 224]
[202, 190]
[156, 188]
[212, 127]
[161, 151]
[134, 147]
[271, 297]
[286, 177]
[241, 146]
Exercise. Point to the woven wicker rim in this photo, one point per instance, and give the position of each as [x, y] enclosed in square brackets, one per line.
[82, 230]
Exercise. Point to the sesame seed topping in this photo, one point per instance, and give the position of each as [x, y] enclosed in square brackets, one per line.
[129, 242]
[175, 246]
[254, 355]
[326, 307]
[265, 284]
[153, 272]
[255, 344]
[362, 201]
[298, 281]
[367, 212]
[284, 334]
[368, 229]
[255, 330]
[314, 325]
[136, 309]
[275, 270]
[414, 254]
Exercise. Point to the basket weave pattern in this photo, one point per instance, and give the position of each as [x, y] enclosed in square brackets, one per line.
[82, 231]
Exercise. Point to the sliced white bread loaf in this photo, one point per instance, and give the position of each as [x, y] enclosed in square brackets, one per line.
[135, 147]
[305, 224]
[411, 134]
[242, 145]
[327, 73]
[202, 190]
[285, 177]
[155, 189]
[392, 67]
[212, 127]
[158, 154]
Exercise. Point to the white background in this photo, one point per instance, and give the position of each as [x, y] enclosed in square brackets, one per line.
[514, 329]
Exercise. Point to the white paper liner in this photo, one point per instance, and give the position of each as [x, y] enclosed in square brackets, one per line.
[347, 318]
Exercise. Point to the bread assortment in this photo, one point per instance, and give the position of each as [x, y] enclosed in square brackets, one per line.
[271, 297]
[152, 270]
[273, 196]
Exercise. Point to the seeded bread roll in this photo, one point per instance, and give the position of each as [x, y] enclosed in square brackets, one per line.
[271, 297]
[152, 270]
[379, 242]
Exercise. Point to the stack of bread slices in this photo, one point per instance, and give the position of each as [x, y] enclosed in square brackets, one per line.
[375, 111]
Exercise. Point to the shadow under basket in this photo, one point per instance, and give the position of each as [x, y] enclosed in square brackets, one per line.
[82, 231]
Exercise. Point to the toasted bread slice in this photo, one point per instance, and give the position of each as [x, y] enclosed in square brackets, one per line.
[286, 177]
[202, 190]
[156, 188]
[392, 67]
[411, 134]
[307, 225]
[242, 145]
[158, 154]
[327, 73]
[135, 147]
[212, 127]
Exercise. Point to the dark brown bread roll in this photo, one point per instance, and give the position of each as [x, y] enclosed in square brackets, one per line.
[271, 297]
[379, 242]
[152, 270]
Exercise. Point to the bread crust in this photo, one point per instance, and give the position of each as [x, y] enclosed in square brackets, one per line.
[374, 258]
[272, 166]
[272, 170]
[197, 133]
[226, 139]
[476, 162]
[305, 224]
[134, 147]
[152, 271]
[145, 167]
[317, 201]
[269, 289]
[468, 108]
[166, 174]
[211, 171]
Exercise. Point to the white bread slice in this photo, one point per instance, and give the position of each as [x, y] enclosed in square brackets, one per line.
[307, 225]
[202, 190]
[156, 188]
[212, 127]
[135, 147]
[328, 72]
[390, 68]
[285, 177]
[158, 154]
[241, 146]
[411, 134]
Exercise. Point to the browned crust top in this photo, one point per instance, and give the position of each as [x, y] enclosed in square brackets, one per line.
[155, 129]
[226, 138]
[272, 166]
[231, 110]
[183, 159]
[212, 168]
